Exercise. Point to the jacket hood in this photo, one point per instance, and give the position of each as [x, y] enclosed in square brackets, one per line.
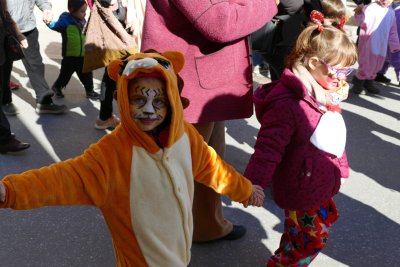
[165, 65]
[289, 86]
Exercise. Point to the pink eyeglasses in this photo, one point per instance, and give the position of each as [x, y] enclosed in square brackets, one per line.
[337, 73]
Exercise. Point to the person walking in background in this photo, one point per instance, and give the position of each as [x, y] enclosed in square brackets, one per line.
[293, 16]
[392, 59]
[23, 14]
[70, 25]
[217, 76]
[300, 146]
[124, 17]
[8, 142]
[145, 193]
[378, 31]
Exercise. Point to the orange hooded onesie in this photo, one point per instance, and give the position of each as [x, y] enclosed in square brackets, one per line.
[144, 192]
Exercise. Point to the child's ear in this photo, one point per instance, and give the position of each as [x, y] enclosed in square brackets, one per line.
[177, 59]
[113, 69]
[312, 63]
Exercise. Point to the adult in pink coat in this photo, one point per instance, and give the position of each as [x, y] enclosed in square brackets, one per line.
[213, 37]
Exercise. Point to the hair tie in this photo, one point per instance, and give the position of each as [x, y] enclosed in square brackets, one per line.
[318, 18]
[342, 22]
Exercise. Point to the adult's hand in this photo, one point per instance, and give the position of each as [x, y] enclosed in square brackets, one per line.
[24, 43]
[48, 16]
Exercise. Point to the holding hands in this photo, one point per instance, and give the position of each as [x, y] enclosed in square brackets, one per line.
[3, 192]
[256, 198]
[47, 16]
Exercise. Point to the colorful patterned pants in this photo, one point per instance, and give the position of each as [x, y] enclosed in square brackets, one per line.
[305, 235]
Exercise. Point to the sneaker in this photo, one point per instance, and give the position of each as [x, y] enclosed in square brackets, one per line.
[92, 95]
[50, 108]
[57, 92]
[109, 123]
[10, 109]
[382, 78]
[14, 85]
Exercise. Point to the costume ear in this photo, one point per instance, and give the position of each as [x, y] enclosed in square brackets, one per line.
[177, 59]
[113, 69]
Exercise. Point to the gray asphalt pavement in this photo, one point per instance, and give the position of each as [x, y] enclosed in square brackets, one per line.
[367, 233]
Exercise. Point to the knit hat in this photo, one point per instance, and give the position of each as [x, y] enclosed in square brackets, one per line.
[74, 5]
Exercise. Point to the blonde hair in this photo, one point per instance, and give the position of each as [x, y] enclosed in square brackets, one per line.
[333, 10]
[329, 44]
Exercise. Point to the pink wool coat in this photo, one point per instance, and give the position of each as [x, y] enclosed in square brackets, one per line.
[212, 37]
[303, 177]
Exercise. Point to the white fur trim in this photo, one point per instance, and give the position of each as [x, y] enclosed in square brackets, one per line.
[144, 63]
[330, 134]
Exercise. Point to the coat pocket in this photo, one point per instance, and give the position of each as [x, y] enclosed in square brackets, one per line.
[306, 172]
[216, 69]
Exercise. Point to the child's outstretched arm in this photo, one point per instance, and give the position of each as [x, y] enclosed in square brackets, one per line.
[79, 181]
[58, 25]
[209, 169]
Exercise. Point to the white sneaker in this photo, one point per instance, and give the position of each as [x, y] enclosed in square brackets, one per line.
[109, 123]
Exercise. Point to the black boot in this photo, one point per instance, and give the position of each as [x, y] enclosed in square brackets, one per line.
[358, 85]
[382, 78]
[369, 85]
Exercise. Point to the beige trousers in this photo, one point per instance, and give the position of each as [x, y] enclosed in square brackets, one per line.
[208, 216]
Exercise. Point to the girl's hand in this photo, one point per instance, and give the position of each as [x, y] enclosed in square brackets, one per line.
[256, 198]
[3, 192]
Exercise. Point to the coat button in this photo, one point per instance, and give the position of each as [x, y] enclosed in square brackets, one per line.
[308, 174]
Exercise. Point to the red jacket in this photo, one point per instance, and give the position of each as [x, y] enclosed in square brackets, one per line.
[212, 37]
[303, 177]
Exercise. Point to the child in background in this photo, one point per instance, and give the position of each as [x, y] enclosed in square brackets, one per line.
[301, 142]
[392, 59]
[141, 174]
[378, 31]
[70, 25]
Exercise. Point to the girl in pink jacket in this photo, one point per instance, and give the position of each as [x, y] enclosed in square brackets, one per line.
[300, 145]
[378, 30]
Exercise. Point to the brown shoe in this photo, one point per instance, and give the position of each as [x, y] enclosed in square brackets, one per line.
[14, 145]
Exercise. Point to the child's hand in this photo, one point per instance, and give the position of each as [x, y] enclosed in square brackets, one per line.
[3, 192]
[342, 181]
[256, 198]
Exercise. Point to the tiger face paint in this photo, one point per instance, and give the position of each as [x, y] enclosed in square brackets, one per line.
[148, 103]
